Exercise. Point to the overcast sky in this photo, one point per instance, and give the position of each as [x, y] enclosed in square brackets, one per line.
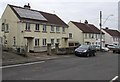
[73, 10]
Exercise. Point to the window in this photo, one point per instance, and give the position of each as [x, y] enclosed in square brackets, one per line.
[57, 29]
[14, 41]
[96, 36]
[3, 27]
[37, 27]
[36, 42]
[89, 35]
[85, 35]
[44, 28]
[27, 26]
[44, 42]
[52, 28]
[52, 41]
[58, 41]
[92, 35]
[70, 35]
[63, 29]
[7, 27]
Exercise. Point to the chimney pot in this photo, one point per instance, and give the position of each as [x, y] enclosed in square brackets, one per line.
[27, 6]
[86, 22]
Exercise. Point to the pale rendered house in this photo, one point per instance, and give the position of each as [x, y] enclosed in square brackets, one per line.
[111, 36]
[24, 26]
[1, 33]
[83, 33]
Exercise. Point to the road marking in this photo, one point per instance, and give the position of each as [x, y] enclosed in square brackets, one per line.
[114, 78]
[22, 64]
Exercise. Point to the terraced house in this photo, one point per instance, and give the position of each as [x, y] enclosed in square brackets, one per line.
[84, 33]
[23, 26]
[111, 36]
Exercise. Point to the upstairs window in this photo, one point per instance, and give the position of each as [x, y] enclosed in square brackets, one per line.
[44, 28]
[37, 28]
[52, 28]
[70, 36]
[27, 26]
[63, 29]
[57, 29]
[3, 27]
[85, 35]
[7, 28]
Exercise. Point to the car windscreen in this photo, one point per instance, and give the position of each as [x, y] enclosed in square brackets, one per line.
[83, 47]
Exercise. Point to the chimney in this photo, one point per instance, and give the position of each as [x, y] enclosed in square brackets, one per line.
[86, 22]
[80, 21]
[106, 28]
[27, 6]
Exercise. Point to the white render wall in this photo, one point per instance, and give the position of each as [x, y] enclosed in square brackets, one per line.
[77, 35]
[17, 30]
[108, 38]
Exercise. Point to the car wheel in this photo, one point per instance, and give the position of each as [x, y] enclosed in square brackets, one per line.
[113, 51]
[87, 55]
[93, 54]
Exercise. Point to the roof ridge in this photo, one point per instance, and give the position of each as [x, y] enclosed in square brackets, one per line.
[30, 9]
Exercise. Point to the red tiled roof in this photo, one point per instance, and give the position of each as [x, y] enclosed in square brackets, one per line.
[51, 18]
[112, 32]
[87, 28]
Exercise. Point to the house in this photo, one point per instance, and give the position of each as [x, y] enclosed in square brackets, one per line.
[1, 33]
[111, 36]
[83, 33]
[23, 26]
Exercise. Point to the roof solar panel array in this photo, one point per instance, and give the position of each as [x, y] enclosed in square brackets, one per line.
[25, 13]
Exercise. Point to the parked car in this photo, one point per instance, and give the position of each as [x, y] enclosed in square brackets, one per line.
[116, 49]
[85, 50]
[111, 46]
[103, 48]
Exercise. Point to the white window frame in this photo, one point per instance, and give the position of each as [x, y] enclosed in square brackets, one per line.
[27, 26]
[44, 42]
[63, 29]
[37, 27]
[44, 28]
[57, 29]
[52, 29]
[37, 41]
[52, 41]
[70, 36]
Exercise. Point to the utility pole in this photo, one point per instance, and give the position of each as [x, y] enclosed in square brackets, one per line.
[100, 30]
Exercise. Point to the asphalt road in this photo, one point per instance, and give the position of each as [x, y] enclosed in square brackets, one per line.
[102, 67]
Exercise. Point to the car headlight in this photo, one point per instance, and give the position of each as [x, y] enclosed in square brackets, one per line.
[85, 51]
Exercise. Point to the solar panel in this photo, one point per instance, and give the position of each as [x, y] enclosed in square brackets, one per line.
[29, 14]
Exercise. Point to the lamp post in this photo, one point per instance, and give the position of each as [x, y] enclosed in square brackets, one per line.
[100, 31]
[101, 27]
[107, 19]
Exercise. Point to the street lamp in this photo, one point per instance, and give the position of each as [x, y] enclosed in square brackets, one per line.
[101, 27]
[107, 19]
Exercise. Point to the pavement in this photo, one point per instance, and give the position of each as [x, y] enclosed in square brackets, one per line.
[9, 58]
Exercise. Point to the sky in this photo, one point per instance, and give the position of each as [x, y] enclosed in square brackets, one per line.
[74, 10]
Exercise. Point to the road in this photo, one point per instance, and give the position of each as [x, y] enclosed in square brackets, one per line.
[102, 67]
